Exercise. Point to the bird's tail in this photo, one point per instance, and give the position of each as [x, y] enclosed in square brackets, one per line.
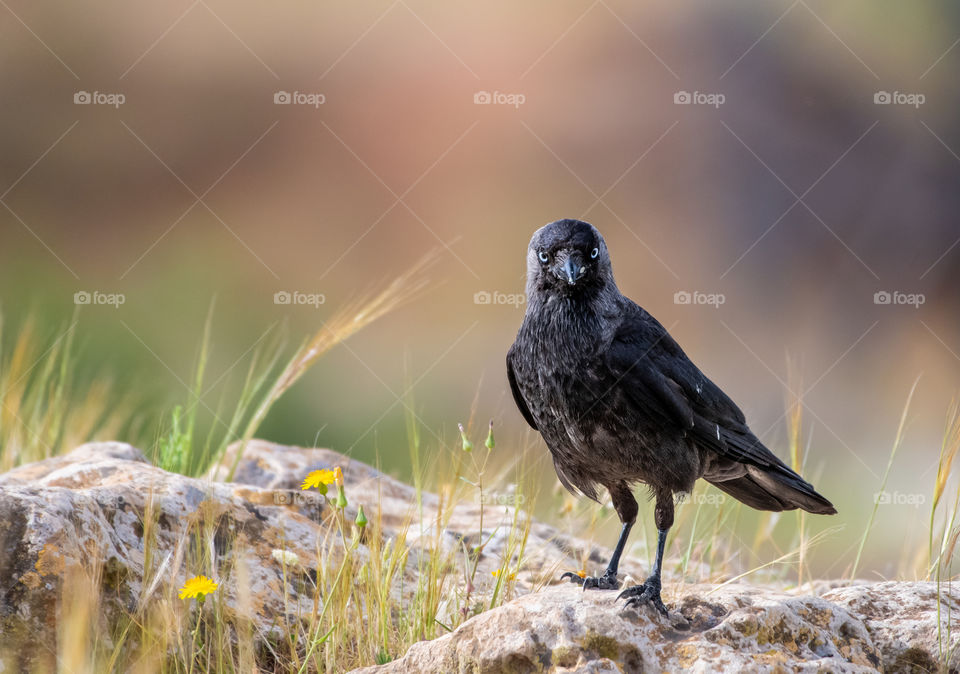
[776, 489]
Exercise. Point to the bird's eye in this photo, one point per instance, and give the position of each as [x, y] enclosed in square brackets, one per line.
[543, 257]
[594, 253]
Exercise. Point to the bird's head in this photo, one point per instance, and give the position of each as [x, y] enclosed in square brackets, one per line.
[567, 257]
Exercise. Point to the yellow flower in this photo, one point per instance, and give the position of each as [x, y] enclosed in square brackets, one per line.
[509, 576]
[319, 477]
[198, 586]
[338, 476]
[582, 573]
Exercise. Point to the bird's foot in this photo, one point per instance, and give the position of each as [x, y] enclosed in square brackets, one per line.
[649, 592]
[607, 581]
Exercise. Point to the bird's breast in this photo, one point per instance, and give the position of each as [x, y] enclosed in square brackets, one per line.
[564, 391]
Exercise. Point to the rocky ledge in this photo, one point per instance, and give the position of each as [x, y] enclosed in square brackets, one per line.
[738, 628]
[95, 503]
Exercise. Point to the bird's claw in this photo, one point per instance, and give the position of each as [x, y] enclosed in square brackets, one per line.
[604, 582]
[649, 592]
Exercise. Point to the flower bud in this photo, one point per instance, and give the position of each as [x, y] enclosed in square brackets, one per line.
[467, 445]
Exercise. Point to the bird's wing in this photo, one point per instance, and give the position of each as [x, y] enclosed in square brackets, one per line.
[656, 374]
[517, 396]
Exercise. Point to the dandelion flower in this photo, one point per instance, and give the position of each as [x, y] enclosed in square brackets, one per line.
[582, 573]
[286, 557]
[338, 476]
[509, 576]
[320, 479]
[198, 587]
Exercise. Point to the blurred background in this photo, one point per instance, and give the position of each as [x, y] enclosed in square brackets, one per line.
[777, 183]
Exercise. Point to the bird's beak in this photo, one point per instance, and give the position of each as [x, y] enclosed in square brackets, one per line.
[571, 269]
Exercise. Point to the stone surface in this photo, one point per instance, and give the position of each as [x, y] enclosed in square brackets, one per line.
[96, 502]
[93, 505]
[735, 628]
[902, 619]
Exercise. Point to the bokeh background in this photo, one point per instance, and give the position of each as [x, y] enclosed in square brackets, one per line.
[797, 198]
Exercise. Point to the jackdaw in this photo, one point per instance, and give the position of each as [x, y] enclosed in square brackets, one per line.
[618, 402]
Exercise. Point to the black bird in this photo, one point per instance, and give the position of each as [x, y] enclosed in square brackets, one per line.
[618, 402]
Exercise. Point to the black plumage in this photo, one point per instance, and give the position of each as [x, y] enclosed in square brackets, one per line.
[618, 402]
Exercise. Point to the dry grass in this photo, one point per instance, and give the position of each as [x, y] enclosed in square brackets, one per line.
[43, 409]
[365, 595]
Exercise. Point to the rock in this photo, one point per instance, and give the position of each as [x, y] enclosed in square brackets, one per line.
[271, 466]
[887, 626]
[902, 620]
[138, 531]
[85, 513]
[737, 628]
[93, 505]
[93, 452]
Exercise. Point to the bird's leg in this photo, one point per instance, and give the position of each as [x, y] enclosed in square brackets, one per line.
[626, 507]
[608, 581]
[614, 564]
[650, 590]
